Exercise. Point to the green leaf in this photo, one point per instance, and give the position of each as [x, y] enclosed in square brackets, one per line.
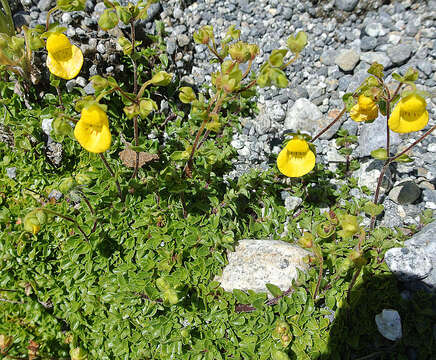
[274, 290]
[397, 77]
[241, 297]
[403, 159]
[108, 20]
[376, 69]
[380, 154]
[373, 209]
[164, 60]
[411, 75]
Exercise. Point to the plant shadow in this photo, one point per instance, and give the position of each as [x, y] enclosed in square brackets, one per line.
[354, 334]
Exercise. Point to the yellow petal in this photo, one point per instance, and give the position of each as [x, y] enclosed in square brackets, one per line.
[92, 130]
[409, 115]
[292, 165]
[57, 42]
[366, 103]
[355, 113]
[93, 141]
[297, 145]
[67, 68]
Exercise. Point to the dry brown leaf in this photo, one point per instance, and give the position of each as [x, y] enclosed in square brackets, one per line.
[128, 157]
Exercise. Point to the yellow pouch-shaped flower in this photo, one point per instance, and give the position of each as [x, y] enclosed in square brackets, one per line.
[64, 59]
[296, 159]
[92, 130]
[365, 109]
[409, 114]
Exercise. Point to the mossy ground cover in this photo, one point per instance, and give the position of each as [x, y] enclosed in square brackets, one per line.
[122, 265]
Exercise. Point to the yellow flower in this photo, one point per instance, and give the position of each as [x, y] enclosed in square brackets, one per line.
[64, 59]
[365, 109]
[296, 159]
[409, 114]
[92, 130]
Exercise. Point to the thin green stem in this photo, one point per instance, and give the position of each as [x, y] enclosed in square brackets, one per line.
[108, 167]
[289, 62]
[318, 283]
[47, 21]
[68, 219]
[353, 281]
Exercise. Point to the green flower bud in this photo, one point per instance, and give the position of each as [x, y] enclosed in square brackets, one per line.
[126, 45]
[282, 327]
[31, 223]
[98, 82]
[349, 225]
[286, 339]
[306, 241]
[146, 106]
[41, 216]
[62, 127]
[187, 95]
[185, 333]
[78, 354]
[83, 179]
[253, 50]
[131, 111]
[233, 33]
[162, 78]
[358, 258]
[108, 20]
[239, 52]
[5, 341]
[66, 185]
[170, 295]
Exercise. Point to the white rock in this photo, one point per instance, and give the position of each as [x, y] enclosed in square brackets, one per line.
[389, 324]
[255, 263]
[46, 126]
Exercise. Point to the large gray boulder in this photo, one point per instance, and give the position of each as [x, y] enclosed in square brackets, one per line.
[255, 263]
[415, 264]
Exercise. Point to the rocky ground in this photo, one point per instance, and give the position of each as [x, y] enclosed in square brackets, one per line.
[345, 37]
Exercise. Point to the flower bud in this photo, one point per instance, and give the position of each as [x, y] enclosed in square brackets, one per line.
[146, 106]
[31, 223]
[349, 226]
[187, 95]
[162, 78]
[306, 241]
[126, 45]
[239, 52]
[82, 179]
[286, 339]
[98, 82]
[62, 127]
[66, 185]
[358, 258]
[131, 111]
[78, 354]
[5, 341]
[253, 50]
